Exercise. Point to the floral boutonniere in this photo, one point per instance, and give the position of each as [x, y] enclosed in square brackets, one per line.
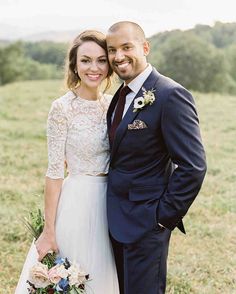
[147, 99]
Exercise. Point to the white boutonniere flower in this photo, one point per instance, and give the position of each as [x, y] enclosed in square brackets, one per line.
[147, 99]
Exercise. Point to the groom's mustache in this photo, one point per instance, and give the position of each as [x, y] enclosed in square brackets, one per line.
[117, 63]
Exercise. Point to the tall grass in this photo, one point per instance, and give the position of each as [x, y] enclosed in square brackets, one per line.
[203, 261]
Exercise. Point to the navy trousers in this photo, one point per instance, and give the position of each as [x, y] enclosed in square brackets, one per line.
[142, 266]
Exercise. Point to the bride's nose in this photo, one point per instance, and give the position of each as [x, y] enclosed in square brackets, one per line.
[94, 66]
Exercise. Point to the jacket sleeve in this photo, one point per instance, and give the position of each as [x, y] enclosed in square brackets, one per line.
[181, 133]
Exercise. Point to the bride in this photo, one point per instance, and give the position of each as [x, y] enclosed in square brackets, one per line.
[75, 207]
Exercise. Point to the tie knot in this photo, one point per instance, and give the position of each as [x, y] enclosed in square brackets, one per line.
[125, 91]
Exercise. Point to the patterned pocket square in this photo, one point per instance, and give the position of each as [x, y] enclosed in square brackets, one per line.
[137, 125]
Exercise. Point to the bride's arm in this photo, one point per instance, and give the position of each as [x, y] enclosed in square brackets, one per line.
[47, 240]
[56, 137]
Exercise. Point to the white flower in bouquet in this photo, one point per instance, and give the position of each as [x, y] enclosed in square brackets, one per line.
[76, 275]
[38, 275]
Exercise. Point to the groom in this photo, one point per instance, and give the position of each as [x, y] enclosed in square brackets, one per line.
[157, 162]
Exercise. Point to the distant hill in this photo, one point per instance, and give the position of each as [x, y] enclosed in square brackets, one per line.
[54, 36]
[220, 35]
[4, 43]
[11, 33]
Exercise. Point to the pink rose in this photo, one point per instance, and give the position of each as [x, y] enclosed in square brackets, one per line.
[38, 275]
[57, 273]
[53, 275]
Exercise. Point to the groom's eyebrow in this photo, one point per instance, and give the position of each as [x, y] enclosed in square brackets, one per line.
[127, 43]
[122, 45]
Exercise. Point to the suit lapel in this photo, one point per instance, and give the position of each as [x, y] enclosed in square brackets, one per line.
[130, 115]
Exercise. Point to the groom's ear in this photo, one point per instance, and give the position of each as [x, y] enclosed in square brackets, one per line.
[146, 48]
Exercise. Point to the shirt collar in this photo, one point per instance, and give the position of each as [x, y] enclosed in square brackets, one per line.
[136, 83]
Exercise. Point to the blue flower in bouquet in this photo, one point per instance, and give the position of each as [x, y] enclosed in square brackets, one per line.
[59, 260]
[62, 285]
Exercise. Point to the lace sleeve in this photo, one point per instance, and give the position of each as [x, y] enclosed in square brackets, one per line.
[56, 139]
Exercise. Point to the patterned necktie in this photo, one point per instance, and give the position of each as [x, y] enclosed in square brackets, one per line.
[118, 112]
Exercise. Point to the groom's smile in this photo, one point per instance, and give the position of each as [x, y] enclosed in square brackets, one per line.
[122, 66]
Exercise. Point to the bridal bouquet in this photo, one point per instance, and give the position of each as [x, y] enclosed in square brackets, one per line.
[53, 275]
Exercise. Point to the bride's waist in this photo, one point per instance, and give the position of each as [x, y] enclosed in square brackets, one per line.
[101, 177]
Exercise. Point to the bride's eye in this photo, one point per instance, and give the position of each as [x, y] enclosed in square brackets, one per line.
[102, 60]
[84, 60]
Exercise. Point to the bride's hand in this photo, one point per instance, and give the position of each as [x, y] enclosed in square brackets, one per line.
[46, 243]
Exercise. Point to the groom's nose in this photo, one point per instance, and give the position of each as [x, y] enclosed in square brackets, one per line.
[119, 56]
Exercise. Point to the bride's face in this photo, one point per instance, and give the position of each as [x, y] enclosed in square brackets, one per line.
[92, 64]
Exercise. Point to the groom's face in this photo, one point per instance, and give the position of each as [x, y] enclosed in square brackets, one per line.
[127, 53]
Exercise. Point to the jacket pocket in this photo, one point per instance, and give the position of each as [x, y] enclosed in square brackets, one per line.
[146, 193]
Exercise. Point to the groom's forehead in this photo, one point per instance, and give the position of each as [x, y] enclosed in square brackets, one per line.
[121, 36]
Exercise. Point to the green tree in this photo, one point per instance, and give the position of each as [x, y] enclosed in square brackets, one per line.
[46, 52]
[33, 70]
[11, 62]
[15, 66]
[231, 56]
[194, 63]
[223, 34]
[156, 58]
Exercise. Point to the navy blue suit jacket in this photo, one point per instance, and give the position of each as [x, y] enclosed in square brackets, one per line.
[143, 187]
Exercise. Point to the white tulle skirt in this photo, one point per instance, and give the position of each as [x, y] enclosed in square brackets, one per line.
[82, 234]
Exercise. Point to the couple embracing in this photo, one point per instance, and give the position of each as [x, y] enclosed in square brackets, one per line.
[135, 162]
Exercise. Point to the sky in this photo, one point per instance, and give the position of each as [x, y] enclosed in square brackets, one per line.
[33, 16]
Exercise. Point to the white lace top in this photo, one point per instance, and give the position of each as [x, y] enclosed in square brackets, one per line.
[77, 133]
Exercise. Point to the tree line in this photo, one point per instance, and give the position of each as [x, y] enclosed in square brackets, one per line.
[31, 61]
[202, 58]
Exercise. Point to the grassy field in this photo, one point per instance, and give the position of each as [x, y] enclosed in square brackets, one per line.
[203, 261]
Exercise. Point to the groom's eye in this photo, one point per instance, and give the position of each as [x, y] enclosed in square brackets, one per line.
[111, 50]
[126, 48]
